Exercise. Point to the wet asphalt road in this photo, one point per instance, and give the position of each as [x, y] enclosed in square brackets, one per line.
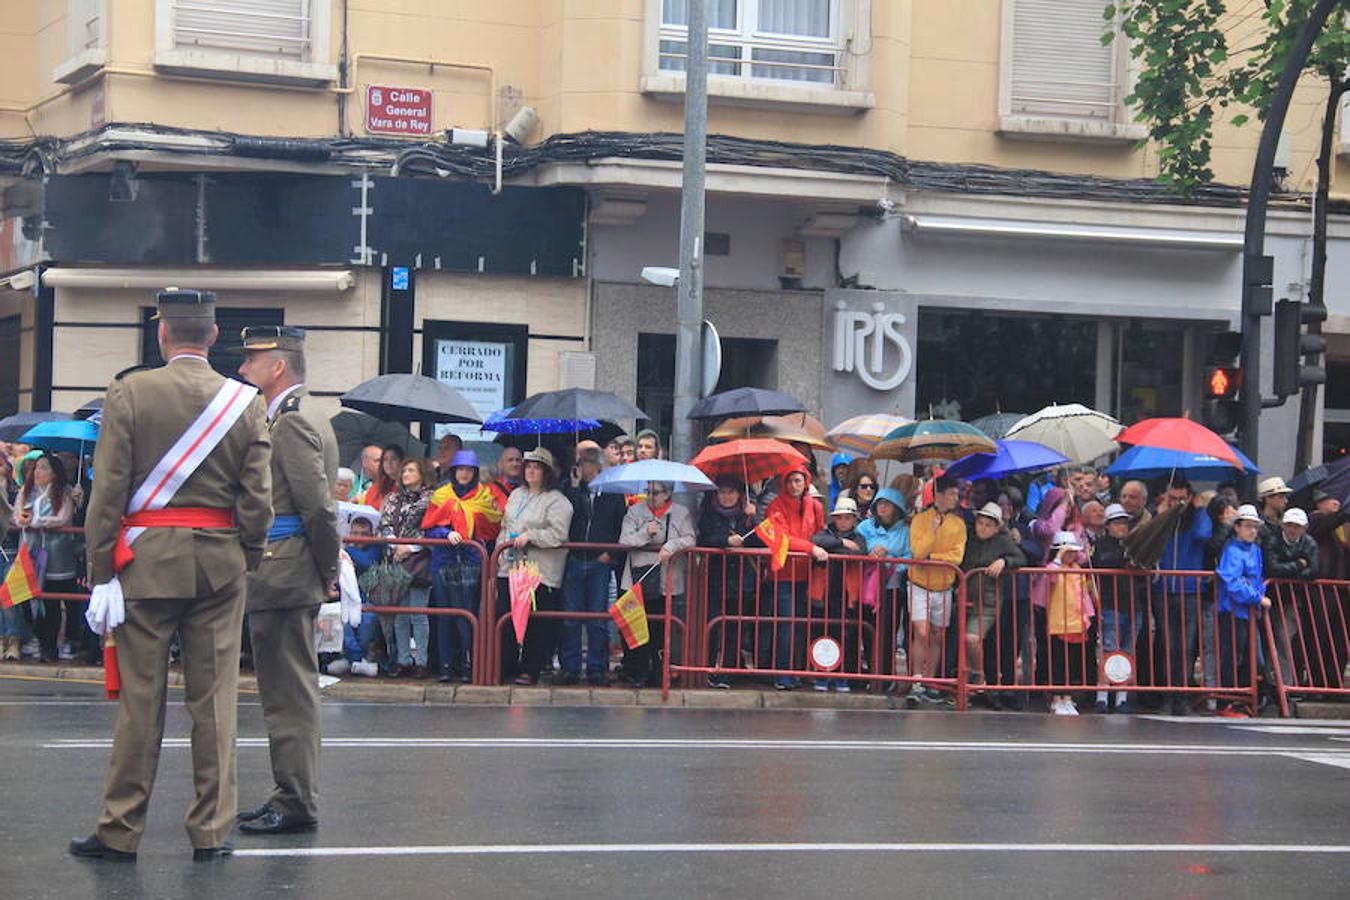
[430, 802]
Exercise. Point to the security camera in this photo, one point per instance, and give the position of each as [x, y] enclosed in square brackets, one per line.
[521, 124]
[664, 276]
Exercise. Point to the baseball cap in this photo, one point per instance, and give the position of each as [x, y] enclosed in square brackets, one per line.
[1295, 516]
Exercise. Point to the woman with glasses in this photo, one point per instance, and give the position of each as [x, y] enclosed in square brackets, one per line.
[863, 485]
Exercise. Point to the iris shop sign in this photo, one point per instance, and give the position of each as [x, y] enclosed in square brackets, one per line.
[395, 110]
[873, 345]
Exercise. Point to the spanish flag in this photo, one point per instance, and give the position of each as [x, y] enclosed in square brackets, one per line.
[21, 584]
[776, 540]
[630, 613]
[476, 515]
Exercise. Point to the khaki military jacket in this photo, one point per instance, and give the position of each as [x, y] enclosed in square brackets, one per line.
[296, 571]
[144, 413]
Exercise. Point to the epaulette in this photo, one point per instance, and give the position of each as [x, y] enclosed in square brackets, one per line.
[290, 404]
[130, 369]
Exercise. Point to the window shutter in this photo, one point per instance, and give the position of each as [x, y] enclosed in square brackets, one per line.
[278, 28]
[1059, 65]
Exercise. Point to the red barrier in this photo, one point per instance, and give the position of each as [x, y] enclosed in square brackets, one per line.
[1307, 639]
[746, 621]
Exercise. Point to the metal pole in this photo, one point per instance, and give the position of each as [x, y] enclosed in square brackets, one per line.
[1256, 295]
[689, 316]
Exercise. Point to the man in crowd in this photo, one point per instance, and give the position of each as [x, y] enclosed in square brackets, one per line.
[510, 475]
[298, 573]
[1134, 500]
[371, 455]
[938, 535]
[180, 577]
[1176, 598]
[342, 486]
[614, 452]
[1290, 553]
[1083, 484]
[1272, 496]
[627, 449]
[648, 444]
[596, 519]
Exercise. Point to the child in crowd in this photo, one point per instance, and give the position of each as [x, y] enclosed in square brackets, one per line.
[839, 585]
[359, 643]
[1122, 617]
[1070, 606]
[1242, 589]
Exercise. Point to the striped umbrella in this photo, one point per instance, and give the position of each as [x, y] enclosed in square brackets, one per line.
[933, 440]
[861, 434]
[796, 428]
[749, 459]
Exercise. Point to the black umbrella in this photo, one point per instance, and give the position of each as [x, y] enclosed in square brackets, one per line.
[745, 401]
[355, 430]
[16, 426]
[577, 403]
[408, 398]
[996, 425]
[87, 411]
[1332, 477]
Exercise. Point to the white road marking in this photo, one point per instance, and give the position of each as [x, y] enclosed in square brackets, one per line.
[1343, 731]
[1326, 759]
[488, 743]
[906, 847]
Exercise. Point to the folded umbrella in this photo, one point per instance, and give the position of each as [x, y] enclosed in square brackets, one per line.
[749, 459]
[524, 577]
[408, 398]
[1080, 433]
[1012, 457]
[745, 401]
[634, 477]
[1178, 434]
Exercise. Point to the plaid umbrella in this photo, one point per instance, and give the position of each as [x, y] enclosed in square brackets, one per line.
[861, 434]
[932, 440]
[793, 428]
[750, 459]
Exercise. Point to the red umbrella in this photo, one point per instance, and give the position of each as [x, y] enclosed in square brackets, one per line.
[1179, 434]
[752, 459]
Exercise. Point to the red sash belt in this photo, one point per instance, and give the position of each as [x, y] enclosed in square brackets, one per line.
[169, 517]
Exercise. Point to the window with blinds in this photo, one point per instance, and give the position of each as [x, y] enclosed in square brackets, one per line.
[276, 28]
[781, 40]
[1059, 65]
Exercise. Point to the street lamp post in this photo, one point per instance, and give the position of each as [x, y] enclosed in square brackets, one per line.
[689, 315]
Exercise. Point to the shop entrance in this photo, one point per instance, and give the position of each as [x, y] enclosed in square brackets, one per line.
[746, 362]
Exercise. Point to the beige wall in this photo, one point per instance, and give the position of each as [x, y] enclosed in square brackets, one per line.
[933, 68]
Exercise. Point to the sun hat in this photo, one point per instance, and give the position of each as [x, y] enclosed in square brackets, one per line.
[1295, 516]
[1273, 485]
[1065, 539]
[1116, 511]
[844, 506]
[991, 511]
[1247, 513]
[540, 455]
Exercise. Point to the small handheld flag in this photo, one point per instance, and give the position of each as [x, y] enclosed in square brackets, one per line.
[629, 612]
[21, 584]
[776, 540]
[112, 675]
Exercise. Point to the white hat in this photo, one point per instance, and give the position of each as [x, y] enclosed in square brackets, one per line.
[540, 455]
[1273, 485]
[1065, 539]
[1116, 511]
[844, 507]
[1295, 516]
[991, 511]
[1247, 513]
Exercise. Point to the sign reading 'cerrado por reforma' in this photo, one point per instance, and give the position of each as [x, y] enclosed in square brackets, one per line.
[396, 110]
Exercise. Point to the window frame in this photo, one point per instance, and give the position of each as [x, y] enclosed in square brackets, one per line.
[1030, 124]
[238, 65]
[83, 61]
[850, 23]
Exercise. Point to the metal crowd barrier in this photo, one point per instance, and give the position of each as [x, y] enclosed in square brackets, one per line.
[1307, 639]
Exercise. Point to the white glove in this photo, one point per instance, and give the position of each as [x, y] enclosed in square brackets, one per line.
[349, 592]
[106, 608]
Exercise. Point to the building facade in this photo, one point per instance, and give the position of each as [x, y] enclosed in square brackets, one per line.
[913, 205]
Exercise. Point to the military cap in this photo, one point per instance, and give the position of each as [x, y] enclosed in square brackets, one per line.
[180, 303]
[273, 337]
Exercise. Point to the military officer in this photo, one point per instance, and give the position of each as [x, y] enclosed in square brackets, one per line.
[298, 569]
[179, 513]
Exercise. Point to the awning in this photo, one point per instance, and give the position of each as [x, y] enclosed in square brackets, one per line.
[208, 279]
[957, 226]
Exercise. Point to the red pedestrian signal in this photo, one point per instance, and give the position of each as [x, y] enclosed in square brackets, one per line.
[1222, 382]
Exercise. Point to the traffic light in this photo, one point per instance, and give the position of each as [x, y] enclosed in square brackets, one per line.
[1223, 382]
[1291, 345]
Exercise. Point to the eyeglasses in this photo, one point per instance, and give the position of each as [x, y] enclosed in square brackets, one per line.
[867, 484]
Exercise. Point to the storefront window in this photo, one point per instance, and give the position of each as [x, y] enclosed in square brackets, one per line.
[973, 363]
[1152, 362]
[745, 363]
[1336, 414]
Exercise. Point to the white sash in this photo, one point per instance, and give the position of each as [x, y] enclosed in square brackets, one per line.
[106, 607]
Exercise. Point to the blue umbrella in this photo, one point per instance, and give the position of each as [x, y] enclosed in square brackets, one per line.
[1012, 457]
[633, 478]
[70, 437]
[1149, 462]
[501, 424]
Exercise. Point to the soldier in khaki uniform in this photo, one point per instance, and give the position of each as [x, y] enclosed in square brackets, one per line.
[184, 576]
[298, 569]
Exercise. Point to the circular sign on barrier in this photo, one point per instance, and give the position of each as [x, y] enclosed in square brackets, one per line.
[826, 654]
[1118, 667]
